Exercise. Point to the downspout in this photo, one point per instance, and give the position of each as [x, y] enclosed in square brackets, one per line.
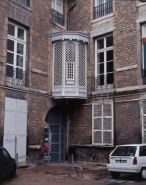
[68, 15]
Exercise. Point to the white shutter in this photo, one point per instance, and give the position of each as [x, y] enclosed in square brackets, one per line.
[9, 126]
[102, 124]
[15, 127]
[21, 129]
[144, 122]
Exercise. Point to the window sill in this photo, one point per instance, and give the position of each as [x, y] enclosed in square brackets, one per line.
[94, 146]
[140, 4]
[26, 7]
[102, 18]
[56, 24]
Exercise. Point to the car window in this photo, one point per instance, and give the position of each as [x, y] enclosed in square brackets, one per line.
[5, 154]
[125, 151]
[142, 151]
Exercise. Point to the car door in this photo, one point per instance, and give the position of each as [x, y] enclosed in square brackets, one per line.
[2, 166]
[142, 156]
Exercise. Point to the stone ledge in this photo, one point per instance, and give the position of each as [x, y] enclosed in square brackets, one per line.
[102, 18]
[94, 146]
[26, 7]
[39, 72]
[56, 24]
[126, 68]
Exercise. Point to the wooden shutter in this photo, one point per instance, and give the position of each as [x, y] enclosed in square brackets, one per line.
[144, 122]
[102, 124]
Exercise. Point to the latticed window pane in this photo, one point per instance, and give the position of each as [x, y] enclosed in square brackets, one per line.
[82, 64]
[102, 124]
[58, 64]
[70, 60]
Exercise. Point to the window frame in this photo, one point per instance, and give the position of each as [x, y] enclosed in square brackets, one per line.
[103, 50]
[17, 40]
[103, 130]
[55, 8]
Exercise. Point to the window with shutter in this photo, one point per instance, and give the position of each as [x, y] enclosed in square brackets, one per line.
[144, 122]
[102, 124]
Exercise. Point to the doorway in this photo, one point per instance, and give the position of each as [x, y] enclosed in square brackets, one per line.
[54, 136]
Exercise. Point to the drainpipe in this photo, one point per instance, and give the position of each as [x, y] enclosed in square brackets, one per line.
[68, 15]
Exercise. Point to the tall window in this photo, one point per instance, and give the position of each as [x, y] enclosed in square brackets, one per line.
[16, 54]
[102, 8]
[144, 52]
[57, 12]
[104, 62]
[102, 124]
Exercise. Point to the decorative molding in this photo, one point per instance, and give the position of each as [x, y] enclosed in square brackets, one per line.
[39, 72]
[102, 18]
[70, 35]
[126, 68]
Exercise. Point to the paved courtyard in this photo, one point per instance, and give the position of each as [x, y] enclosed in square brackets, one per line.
[57, 174]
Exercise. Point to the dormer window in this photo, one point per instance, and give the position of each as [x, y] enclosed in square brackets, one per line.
[57, 12]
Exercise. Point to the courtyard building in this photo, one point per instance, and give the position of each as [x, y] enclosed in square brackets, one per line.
[72, 73]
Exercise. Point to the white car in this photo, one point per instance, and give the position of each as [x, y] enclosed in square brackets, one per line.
[128, 159]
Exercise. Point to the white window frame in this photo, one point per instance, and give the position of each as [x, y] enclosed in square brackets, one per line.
[55, 4]
[104, 50]
[17, 40]
[102, 130]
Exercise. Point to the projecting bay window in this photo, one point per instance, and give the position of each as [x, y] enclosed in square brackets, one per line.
[16, 55]
[57, 12]
[102, 8]
[104, 76]
[102, 124]
[144, 53]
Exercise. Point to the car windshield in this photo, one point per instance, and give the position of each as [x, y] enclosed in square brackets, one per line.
[125, 151]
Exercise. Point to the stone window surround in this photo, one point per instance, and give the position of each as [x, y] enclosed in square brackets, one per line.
[26, 7]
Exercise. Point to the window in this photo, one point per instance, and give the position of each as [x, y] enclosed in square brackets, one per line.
[125, 151]
[16, 54]
[104, 76]
[102, 124]
[5, 154]
[143, 121]
[22, 2]
[57, 12]
[142, 151]
[144, 52]
[102, 8]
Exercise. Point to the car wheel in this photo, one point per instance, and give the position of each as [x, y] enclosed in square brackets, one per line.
[143, 174]
[115, 175]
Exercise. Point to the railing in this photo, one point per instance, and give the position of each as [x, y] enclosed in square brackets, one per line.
[104, 83]
[18, 78]
[144, 76]
[21, 2]
[103, 9]
[57, 17]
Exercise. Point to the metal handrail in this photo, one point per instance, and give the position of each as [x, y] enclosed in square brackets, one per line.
[57, 17]
[103, 9]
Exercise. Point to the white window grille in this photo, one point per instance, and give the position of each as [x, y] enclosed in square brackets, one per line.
[70, 59]
[58, 64]
[104, 76]
[144, 122]
[102, 124]
[82, 64]
[16, 54]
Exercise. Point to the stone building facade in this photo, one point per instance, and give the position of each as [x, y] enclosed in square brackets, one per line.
[84, 88]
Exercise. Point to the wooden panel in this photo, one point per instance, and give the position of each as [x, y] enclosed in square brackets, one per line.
[98, 137]
[97, 123]
[97, 110]
[107, 137]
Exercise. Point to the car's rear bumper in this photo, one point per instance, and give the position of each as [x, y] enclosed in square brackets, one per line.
[124, 169]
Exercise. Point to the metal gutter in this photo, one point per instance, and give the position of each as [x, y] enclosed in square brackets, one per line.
[68, 14]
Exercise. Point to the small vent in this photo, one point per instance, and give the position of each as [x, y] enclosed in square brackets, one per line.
[82, 65]
[58, 64]
[70, 60]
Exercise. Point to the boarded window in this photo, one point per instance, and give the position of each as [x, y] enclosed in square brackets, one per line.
[102, 126]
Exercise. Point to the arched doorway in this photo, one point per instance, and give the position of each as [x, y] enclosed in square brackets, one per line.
[55, 135]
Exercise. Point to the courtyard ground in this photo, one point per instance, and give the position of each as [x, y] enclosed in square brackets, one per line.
[57, 174]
